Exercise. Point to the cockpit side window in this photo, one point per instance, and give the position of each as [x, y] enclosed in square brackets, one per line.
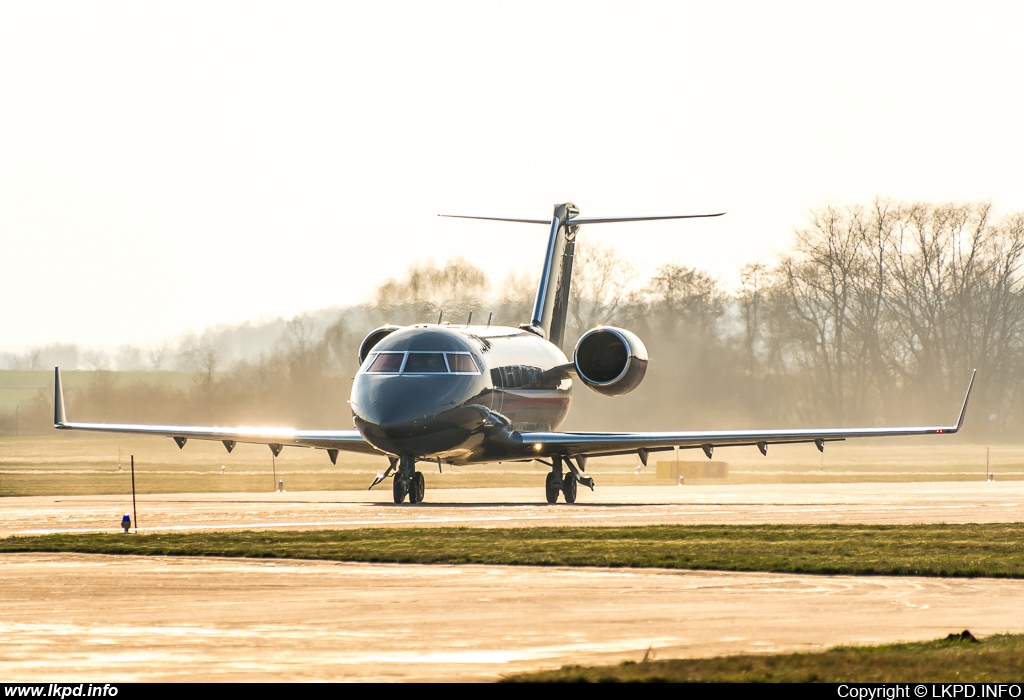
[462, 363]
[387, 363]
[425, 363]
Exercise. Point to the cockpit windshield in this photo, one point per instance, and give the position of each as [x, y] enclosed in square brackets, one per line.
[425, 363]
[422, 362]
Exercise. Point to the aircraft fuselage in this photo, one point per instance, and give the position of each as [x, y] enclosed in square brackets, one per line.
[459, 393]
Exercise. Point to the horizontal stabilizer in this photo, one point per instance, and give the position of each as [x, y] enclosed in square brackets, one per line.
[586, 220]
[497, 218]
[620, 219]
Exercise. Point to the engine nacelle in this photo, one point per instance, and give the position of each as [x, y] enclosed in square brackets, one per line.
[611, 361]
[372, 338]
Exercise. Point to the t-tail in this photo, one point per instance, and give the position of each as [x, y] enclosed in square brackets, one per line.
[551, 308]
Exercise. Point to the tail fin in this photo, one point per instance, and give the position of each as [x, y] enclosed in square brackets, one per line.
[551, 308]
[552, 304]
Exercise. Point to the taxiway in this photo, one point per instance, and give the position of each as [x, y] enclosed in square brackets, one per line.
[862, 503]
[107, 618]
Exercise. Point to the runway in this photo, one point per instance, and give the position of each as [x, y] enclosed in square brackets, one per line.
[864, 503]
[100, 618]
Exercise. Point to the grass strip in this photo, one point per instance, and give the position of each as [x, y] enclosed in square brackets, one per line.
[996, 659]
[993, 550]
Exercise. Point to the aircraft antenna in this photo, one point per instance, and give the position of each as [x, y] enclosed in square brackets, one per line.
[439, 317]
[470, 319]
[489, 319]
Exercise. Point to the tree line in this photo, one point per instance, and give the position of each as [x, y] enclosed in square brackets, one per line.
[875, 315]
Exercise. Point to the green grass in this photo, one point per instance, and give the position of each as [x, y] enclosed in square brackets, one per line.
[997, 659]
[995, 550]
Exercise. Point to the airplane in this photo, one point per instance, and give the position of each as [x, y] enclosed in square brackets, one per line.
[467, 394]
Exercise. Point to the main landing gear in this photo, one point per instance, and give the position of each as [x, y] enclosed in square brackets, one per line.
[557, 482]
[552, 486]
[408, 482]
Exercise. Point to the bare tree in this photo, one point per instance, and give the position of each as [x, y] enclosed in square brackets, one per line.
[751, 298]
[601, 280]
[684, 295]
[818, 279]
[456, 283]
[933, 265]
[96, 360]
[129, 358]
[160, 355]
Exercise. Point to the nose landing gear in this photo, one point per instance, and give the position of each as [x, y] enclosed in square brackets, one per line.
[417, 488]
[408, 482]
[400, 488]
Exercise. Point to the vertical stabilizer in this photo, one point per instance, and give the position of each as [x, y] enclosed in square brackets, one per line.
[552, 305]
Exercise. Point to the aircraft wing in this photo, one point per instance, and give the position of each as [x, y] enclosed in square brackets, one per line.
[587, 444]
[277, 438]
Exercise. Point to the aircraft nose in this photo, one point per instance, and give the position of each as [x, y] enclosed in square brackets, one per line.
[418, 414]
[391, 411]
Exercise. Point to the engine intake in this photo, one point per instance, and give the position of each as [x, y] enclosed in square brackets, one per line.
[611, 361]
[372, 338]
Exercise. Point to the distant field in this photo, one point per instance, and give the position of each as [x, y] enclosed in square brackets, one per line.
[80, 464]
[73, 464]
[18, 387]
[996, 659]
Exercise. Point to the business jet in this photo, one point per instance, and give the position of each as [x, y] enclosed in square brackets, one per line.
[466, 394]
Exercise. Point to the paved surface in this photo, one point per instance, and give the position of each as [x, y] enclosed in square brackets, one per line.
[89, 617]
[932, 502]
[99, 618]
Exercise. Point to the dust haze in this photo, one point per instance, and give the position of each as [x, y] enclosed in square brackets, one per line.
[875, 315]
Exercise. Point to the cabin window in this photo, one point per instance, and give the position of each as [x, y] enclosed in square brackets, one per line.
[387, 363]
[516, 377]
[506, 377]
[425, 363]
[462, 363]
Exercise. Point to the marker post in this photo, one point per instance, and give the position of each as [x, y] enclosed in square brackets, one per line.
[135, 515]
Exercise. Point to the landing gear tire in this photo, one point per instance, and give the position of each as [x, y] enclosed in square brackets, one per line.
[552, 486]
[569, 488]
[400, 487]
[417, 488]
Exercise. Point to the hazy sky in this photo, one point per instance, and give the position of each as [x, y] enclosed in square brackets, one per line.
[169, 166]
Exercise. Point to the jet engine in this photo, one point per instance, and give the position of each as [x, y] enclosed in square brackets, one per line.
[611, 361]
[372, 338]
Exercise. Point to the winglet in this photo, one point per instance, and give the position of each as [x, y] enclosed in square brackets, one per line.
[59, 416]
[963, 411]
